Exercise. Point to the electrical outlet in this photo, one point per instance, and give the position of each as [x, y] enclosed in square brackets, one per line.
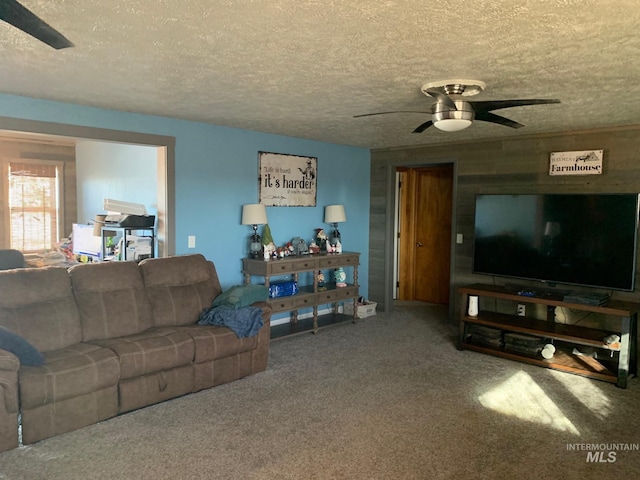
[521, 309]
[191, 241]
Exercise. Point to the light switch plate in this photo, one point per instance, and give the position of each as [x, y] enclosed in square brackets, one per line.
[459, 238]
[192, 241]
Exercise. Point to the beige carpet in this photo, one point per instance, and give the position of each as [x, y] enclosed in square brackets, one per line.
[387, 398]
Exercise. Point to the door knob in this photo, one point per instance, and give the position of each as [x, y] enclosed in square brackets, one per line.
[419, 244]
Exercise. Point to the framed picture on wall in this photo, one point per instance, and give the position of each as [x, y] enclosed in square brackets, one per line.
[287, 180]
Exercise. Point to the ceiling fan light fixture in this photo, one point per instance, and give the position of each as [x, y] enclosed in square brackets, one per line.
[449, 120]
[452, 124]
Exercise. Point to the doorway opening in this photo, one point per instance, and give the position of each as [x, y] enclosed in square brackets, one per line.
[165, 153]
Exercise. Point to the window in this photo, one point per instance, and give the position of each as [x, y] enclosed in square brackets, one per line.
[32, 212]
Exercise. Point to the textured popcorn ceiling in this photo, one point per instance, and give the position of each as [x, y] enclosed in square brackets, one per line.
[304, 67]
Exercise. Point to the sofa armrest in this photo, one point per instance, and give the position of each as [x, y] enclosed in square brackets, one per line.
[266, 310]
[8, 361]
[9, 365]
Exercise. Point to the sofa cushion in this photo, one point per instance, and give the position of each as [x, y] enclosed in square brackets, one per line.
[38, 305]
[26, 353]
[152, 351]
[111, 300]
[212, 342]
[179, 288]
[72, 371]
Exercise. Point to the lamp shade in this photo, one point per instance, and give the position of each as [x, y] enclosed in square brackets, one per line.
[334, 214]
[254, 214]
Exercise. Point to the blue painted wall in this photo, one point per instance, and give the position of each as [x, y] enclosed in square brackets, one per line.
[118, 171]
[216, 173]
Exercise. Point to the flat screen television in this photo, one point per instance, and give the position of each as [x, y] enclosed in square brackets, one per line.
[576, 239]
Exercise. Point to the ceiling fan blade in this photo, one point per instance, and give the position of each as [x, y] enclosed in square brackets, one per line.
[384, 113]
[441, 97]
[20, 17]
[488, 105]
[493, 118]
[423, 127]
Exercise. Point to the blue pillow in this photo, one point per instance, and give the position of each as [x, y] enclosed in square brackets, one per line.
[240, 296]
[26, 353]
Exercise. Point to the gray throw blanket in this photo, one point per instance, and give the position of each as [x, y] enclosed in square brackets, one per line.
[244, 321]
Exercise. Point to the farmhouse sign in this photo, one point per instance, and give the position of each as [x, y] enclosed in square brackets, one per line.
[588, 162]
[287, 180]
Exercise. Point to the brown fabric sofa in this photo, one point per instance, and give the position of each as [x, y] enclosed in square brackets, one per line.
[9, 366]
[116, 336]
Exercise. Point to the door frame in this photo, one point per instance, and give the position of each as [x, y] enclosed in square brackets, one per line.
[391, 232]
[165, 145]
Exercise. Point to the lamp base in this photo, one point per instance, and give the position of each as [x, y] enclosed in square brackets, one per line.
[255, 246]
[334, 239]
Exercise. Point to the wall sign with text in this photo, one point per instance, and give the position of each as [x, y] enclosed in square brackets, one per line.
[588, 162]
[287, 180]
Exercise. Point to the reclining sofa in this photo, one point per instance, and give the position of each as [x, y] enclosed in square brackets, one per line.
[112, 337]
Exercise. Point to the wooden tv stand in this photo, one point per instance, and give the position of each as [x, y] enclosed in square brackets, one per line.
[614, 364]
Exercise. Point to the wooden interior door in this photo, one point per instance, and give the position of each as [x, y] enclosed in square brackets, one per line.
[426, 197]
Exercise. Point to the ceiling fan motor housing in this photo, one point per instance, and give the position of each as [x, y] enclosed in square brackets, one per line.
[444, 112]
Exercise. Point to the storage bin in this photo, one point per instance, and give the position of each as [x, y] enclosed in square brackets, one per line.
[363, 310]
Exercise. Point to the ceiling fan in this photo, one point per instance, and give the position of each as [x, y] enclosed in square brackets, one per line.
[452, 113]
[20, 17]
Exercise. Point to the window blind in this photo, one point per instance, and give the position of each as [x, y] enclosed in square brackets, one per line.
[33, 206]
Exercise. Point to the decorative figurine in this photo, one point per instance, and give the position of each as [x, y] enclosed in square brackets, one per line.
[313, 248]
[321, 238]
[269, 248]
[321, 285]
[299, 246]
[340, 276]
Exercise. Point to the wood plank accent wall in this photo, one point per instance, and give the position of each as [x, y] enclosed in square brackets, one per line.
[16, 148]
[517, 164]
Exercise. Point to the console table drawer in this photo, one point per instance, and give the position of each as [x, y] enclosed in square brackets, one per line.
[302, 301]
[346, 292]
[338, 261]
[282, 304]
[278, 267]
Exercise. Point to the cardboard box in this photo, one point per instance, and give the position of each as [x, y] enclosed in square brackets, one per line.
[367, 309]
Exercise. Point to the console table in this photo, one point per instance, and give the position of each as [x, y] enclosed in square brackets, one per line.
[308, 295]
[615, 362]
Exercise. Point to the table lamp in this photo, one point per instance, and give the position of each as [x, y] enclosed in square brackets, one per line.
[254, 214]
[334, 214]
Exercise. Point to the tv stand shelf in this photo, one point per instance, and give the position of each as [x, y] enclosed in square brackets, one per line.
[615, 364]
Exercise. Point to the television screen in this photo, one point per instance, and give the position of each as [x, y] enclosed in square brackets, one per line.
[579, 239]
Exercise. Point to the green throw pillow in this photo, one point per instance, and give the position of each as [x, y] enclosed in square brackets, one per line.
[240, 296]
